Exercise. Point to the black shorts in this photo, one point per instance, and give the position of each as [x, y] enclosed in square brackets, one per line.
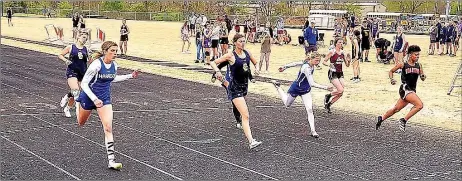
[215, 43]
[224, 41]
[246, 29]
[82, 25]
[438, 39]
[365, 45]
[433, 41]
[192, 26]
[236, 90]
[334, 75]
[72, 72]
[123, 37]
[405, 90]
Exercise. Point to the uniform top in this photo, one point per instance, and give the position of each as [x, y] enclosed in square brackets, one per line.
[337, 30]
[365, 31]
[399, 41]
[304, 81]
[239, 71]
[410, 74]
[450, 31]
[433, 32]
[375, 27]
[185, 30]
[216, 33]
[79, 58]
[336, 61]
[443, 31]
[97, 80]
[123, 30]
[75, 21]
[9, 13]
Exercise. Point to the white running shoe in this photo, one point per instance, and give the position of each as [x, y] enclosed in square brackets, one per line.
[314, 134]
[67, 112]
[238, 126]
[254, 144]
[114, 165]
[64, 101]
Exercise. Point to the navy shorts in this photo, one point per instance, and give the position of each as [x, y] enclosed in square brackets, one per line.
[236, 90]
[87, 103]
[75, 73]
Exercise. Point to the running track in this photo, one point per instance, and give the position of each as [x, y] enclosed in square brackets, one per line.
[165, 129]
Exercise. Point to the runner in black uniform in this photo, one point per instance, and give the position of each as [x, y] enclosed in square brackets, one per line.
[124, 31]
[411, 70]
[75, 23]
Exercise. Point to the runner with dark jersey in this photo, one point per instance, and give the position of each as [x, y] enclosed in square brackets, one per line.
[355, 55]
[375, 30]
[76, 68]
[400, 46]
[450, 36]
[442, 35]
[75, 25]
[336, 57]
[411, 71]
[365, 41]
[9, 15]
[239, 61]
[124, 31]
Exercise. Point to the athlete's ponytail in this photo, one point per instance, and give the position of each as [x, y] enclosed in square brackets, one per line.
[96, 55]
[104, 47]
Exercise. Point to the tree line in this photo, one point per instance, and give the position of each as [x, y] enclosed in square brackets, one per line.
[268, 8]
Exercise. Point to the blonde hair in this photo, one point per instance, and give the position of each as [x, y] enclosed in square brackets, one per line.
[104, 48]
[313, 55]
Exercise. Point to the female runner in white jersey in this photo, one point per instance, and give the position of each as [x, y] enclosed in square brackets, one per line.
[96, 86]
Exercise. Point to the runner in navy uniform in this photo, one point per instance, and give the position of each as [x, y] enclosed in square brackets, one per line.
[375, 30]
[411, 71]
[239, 61]
[96, 94]
[124, 31]
[302, 87]
[399, 47]
[76, 68]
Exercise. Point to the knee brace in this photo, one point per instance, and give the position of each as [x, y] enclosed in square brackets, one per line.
[75, 93]
[207, 53]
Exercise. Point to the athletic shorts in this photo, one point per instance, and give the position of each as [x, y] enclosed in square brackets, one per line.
[87, 103]
[365, 45]
[334, 75]
[224, 41]
[215, 43]
[404, 90]
[75, 73]
[123, 37]
[236, 90]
